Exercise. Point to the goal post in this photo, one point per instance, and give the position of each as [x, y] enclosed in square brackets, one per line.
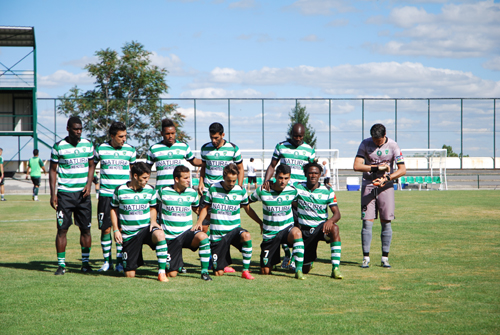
[430, 161]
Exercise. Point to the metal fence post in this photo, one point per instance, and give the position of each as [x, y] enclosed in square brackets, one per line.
[195, 124]
[461, 132]
[396, 120]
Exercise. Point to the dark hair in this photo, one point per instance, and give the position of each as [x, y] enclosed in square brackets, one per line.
[215, 128]
[167, 123]
[230, 169]
[74, 119]
[251, 159]
[377, 130]
[35, 152]
[310, 165]
[117, 126]
[180, 169]
[283, 168]
[140, 168]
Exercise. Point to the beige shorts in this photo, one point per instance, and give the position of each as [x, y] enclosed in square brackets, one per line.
[375, 200]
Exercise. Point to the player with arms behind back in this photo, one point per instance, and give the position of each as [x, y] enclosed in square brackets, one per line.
[178, 201]
[278, 222]
[116, 157]
[313, 201]
[134, 207]
[375, 158]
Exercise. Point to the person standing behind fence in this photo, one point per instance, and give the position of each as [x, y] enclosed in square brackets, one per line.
[252, 176]
[326, 174]
[375, 158]
[35, 167]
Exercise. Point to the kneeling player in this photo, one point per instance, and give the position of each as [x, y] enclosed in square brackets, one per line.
[133, 205]
[176, 217]
[224, 200]
[313, 200]
[278, 222]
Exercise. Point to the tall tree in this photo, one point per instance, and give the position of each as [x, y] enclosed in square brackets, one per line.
[127, 88]
[298, 114]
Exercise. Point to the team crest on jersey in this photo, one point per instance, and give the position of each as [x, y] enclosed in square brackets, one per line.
[234, 197]
[296, 153]
[144, 196]
[116, 155]
[265, 260]
[386, 151]
[226, 199]
[319, 196]
[287, 197]
[177, 151]
[84, 149]
[77, 151]
[60, 218]
[170, 155]
[379, 153]
[179, 200]
[279, 200]
[225, 153]
[136, 198]
[303, 153]
[217, 154]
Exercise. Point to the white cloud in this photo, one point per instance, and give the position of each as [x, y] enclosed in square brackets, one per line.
[320, 7]
[493, 64]
[243, 4]
[338, 23]
[311, 38]
[173, 64]
[376, 79]
[458, 31]
[63, 78]
[80, 63]
[211, 92]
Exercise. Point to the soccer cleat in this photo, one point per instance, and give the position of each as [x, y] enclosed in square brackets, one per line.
[162, 277]
[229, 269]
[86, 269]
[105, 267]
[299, 275]
[36, 198]
[182, 270]
[292, 266]
[366, 263]
[3, 199]
[119, 268]
[60, 271]
[336, 274]
[385, 263]
[286, 262]
[205, 276]
[246, 275]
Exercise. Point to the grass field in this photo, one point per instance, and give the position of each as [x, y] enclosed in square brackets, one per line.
[445, 279]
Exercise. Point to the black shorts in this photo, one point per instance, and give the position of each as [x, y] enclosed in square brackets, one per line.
[104, 213]
[295, 217]
[73, 203]
[132, 249]
[221, 255]
[270, 250]
[96, 180]
[1, 180]
[175, 246]
[311, 237]
[205, 222]
[36, 180]
[252, 179]
[327, 180]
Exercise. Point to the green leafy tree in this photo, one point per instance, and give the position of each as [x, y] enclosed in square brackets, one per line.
[127, 88]
[298, 114]
[450, 153]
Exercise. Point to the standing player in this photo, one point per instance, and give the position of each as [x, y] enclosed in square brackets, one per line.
[278, 222]
[294, 153]
[168, 154]
[375, 158]
[177, 221]
[116, 157]
[313, 201]
[72, 166]
[326, 174]
[216, 155]
[134, 207]
[35, 167]
[252, 176]
[1, 176]
[224, 200]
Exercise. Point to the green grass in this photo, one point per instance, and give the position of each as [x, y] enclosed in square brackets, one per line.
[445, 279]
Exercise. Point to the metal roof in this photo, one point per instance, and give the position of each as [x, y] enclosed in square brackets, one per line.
[17, 36]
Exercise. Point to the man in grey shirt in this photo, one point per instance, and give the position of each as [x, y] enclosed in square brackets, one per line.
[375, 158]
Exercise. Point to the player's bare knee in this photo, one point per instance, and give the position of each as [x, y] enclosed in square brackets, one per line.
[219, 273]
[158, 236]
[106, 231]
[172, 274]
[130, 274]
[245, 236]
[62, 232]
[296, 233]
[265, 271]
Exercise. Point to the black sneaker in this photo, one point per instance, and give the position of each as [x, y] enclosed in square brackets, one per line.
[86, 269]
[206, 277]
[60, 271]
[3, 199]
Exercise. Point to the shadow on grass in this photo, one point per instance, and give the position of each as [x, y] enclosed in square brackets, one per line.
[51, 267]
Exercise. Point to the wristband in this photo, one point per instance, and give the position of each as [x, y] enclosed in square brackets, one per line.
[114, 231]
[374, 169]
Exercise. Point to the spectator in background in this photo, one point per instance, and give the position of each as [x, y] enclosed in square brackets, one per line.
[252, 176]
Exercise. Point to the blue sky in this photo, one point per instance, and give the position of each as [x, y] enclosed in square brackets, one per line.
[289, 49]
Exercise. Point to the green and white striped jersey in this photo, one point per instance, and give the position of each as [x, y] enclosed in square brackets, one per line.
[176, 213]
[217, 159]
[295, 157]
[277, 209]
[225, 209]
[115, 166]
[133, 208]
[167, 159]
[312, 207]
[73, 164]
